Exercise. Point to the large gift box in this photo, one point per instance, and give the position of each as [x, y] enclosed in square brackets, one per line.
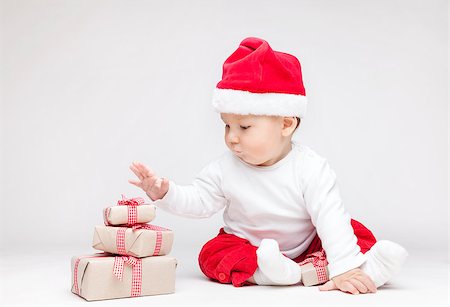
[106, 276]
[129, 215]
[139, 241]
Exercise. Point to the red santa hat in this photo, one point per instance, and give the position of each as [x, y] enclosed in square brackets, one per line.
[258, 80]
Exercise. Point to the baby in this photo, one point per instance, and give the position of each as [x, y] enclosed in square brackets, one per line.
[280, 199]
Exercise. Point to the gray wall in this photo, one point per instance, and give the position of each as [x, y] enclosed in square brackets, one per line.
[89, 86]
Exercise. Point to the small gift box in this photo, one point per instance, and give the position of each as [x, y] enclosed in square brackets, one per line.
[129, 212]
[106, 276]
[139, 241]
[314, 269]
[312, 275]
[124, 215]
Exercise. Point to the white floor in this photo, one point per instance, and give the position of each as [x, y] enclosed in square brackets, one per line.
[40, 279]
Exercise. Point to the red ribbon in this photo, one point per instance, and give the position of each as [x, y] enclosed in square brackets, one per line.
[120, 240]
[131, 204]
[136, 265]
[149, 227]
[136, 201]
[319, 261]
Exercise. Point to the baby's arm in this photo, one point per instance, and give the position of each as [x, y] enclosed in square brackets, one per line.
[332, 222]
[200, 199]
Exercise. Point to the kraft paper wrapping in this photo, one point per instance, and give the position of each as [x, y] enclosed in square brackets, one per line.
[118, 215]
[96, 280]
[138, 243]
[309, 275]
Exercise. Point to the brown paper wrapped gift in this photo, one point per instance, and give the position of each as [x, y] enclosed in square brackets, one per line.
[96, 278]
[312, 275]
[118, 215]
[149, 240]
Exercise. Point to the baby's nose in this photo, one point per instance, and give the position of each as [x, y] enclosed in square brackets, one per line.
[232, 138]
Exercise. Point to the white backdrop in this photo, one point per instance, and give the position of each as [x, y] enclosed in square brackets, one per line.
[89, 86]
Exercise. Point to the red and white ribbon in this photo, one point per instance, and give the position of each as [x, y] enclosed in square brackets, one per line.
[75, 269]
[131, 204]
[136, 265]
[319, 261]
[105, 217]
[120, 240]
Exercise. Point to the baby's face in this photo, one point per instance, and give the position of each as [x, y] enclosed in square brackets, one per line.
[255, 139]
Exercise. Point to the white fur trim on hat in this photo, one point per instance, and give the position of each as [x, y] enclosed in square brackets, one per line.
[245, 103]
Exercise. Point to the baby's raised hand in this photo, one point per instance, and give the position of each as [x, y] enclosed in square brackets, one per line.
[354, 281]
[154, 186]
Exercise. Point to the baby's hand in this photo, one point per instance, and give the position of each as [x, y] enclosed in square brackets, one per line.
[154, 186]
[354, 281]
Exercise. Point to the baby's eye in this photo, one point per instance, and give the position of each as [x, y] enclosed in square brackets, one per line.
[245, 127]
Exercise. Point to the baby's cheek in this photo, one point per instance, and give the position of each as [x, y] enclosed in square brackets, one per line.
[261, 151]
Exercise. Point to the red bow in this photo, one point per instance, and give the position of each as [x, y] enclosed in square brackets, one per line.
[136, 201]
[317, 259]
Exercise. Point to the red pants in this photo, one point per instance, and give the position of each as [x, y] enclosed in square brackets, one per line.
[230, 259]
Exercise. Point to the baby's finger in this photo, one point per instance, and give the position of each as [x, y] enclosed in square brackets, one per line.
[359, 285]
[136, 172]
[329, 285]
[348, 287]
[145, 170]
[368, 282]
[136, 183]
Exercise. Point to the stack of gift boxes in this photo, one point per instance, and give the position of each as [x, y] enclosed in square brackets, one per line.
[134, 261]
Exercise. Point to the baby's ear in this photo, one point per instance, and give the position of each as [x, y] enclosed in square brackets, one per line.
[289, 125]
[289, 121]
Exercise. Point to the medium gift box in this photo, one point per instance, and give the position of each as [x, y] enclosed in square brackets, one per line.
[128, 215]
[106, 276]
[138, 241]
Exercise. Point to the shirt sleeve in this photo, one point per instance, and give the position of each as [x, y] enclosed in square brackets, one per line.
[332, 221]
[201, 199]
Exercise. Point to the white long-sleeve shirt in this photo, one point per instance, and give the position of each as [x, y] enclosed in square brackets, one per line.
[289, 201]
